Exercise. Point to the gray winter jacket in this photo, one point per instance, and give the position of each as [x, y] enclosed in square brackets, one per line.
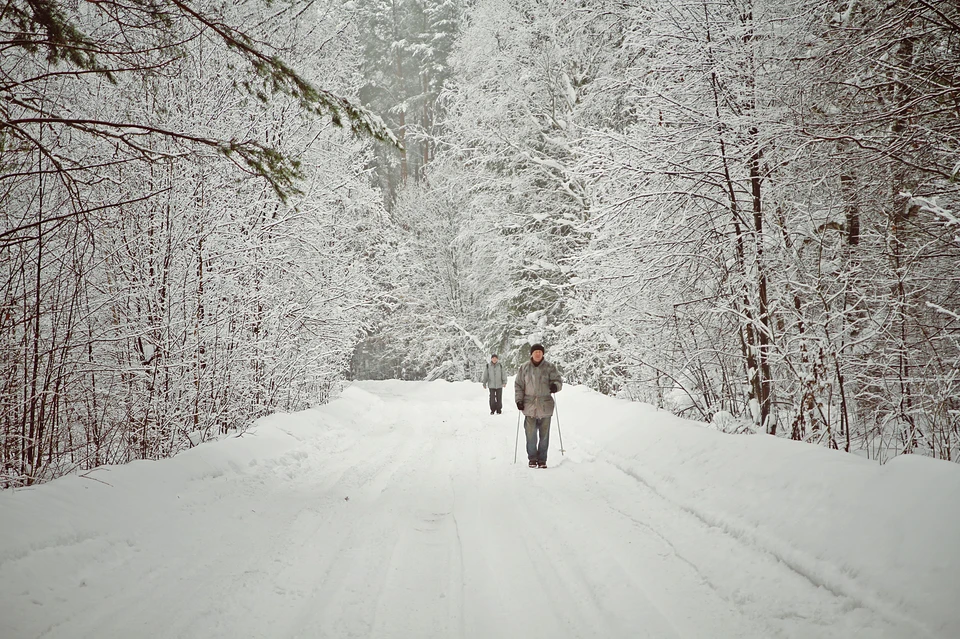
[494, 376]
[532, 387]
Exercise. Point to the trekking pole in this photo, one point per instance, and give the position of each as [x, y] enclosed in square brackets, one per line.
[516, 444]
[556, 409]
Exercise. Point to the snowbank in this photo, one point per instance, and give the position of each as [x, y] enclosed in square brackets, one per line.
[75, 508]
[886, 536]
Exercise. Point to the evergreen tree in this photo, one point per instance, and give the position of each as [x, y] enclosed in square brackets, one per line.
[406, 46]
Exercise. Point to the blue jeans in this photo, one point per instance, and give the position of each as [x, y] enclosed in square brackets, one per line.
[532, 426]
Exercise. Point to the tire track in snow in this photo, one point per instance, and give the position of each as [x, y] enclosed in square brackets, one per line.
[635, 583]
[817, 574]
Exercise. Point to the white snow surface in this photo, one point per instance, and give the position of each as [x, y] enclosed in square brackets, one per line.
[397, 511]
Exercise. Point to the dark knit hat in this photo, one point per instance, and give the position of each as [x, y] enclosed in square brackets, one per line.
[537, 347]
[494, 355]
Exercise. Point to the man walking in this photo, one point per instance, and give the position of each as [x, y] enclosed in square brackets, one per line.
[494, 379]
[535, 382]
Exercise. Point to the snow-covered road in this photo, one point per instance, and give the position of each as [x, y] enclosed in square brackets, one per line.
[397, 511]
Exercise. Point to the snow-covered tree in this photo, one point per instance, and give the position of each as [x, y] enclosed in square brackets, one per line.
[406, 46]
[154, 293]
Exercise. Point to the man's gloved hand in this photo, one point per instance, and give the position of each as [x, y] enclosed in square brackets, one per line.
[553, 387]
[520, 406]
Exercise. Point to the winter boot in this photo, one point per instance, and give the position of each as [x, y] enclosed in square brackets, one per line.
[542, 464]
[533, 463]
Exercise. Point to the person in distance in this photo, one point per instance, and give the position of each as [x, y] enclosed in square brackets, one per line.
[494, 378]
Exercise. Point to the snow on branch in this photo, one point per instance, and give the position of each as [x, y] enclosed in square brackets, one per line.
[930, 205]
[946, 312]
[473, 338]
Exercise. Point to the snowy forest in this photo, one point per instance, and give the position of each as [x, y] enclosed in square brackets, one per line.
[746, 212]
